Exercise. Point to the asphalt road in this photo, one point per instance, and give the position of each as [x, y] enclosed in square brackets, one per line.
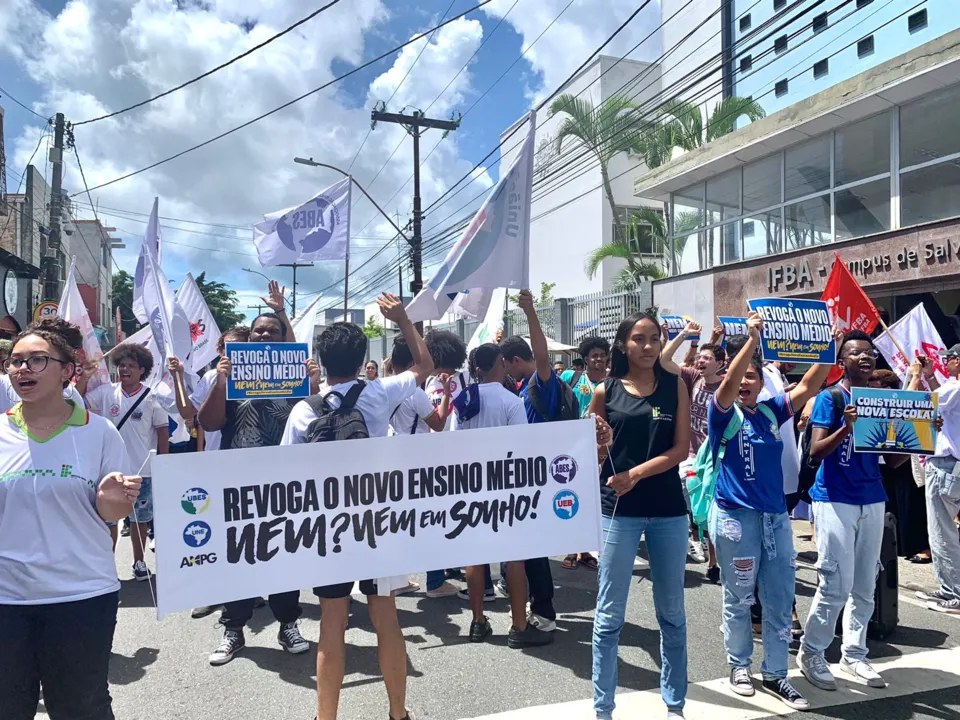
[160, 669]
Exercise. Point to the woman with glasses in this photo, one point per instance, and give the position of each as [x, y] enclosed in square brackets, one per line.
[62, 481]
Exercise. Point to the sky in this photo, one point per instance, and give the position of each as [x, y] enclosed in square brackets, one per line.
[85, 58]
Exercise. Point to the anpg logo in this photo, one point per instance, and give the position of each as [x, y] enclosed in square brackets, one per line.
[197, 560]
[563, 469]
[195, 501]
[566, 504]
[196, 534]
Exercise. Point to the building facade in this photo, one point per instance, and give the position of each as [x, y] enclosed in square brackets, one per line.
[90, 243]
[866, 168]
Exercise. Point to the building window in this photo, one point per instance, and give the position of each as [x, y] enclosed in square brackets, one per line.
[821, 68]
[723, 197]
[761, 184]
[929, 194]
[917, 21]
[781, 88]
[862, 210]
[922, 123]
[745, 23]
[639, 235]
[779, 4]
[862, 150]
[820, 23]
[808, 223]
[865, 47]
[762, 234]
[746, 62]
[807, 168]
[863, 3]
[780, 44]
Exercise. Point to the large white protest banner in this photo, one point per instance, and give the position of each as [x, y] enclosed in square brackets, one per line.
[244, 523]
[917, 336]
[204, 332]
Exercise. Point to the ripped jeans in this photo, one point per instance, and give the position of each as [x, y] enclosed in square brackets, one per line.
[755, 554]
[848, 545]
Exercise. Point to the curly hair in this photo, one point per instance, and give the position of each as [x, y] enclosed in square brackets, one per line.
[131, 351]
[342, 347]
[64, 338]
[589, 344]
[887, 379]
[446, 348]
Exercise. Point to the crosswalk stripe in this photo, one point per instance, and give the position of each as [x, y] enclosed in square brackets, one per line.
[712, 700]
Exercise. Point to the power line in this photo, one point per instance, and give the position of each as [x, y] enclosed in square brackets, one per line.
[291, 102]
[214, 70]
[28, 109]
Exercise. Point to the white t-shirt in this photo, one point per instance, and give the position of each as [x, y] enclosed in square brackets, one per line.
[948, 440]
[54, 546]
[376, 403]
[498, 407]
[434, 389]
[139, 432]
[9, 397]
[774, 386]
[211, 440]
[408, 418]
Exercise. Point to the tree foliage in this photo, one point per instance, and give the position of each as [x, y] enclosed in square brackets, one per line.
[222, 302]
[121, 295]
[545, 297]
[373, 329]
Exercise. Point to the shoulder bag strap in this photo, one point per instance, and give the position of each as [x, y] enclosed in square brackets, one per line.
[133, 407]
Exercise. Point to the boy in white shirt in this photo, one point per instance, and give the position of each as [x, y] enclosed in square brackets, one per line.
[342, 348]
[142, 421]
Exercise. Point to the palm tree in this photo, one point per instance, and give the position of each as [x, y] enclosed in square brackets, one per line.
[605, 132]
[637, 268]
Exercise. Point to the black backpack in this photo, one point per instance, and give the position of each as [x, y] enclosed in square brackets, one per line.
[809, 466]
[568, 408]
[337, 423]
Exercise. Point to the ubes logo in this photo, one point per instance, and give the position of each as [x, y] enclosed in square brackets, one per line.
[566, 504]
[563, 469]
[197, 560]
[196, 534]
[195, 501]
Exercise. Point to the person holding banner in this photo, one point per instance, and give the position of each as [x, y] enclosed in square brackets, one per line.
[849, 505]
[342, 348]
[648, 410]
[749, 522]
[63, 482]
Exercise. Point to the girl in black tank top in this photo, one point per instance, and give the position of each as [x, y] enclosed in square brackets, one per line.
[648, 410]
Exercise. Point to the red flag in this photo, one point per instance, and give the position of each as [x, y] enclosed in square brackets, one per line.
[849, 306]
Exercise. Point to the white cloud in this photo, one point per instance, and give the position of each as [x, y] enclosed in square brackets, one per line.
[97, 56]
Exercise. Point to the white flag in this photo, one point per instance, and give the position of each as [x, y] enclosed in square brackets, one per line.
[72, 309]
[304, 324]
[204, 332]
[486, 332]
[168, 321]
[917, 336]
[151, 239]
[493, 252]
[144, 338]
[317, 230]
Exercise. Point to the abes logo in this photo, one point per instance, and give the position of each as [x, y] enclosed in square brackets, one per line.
[196, 534]
[197, 560]
[566, 504]
[195, 501]
[563, 469]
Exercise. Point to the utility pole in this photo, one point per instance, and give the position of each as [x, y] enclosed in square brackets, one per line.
[51, 259]
[258, 308]
[415, 124]
[293, 306]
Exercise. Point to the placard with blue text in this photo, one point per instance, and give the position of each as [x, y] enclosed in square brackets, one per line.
[262, 371]
[795, 331]
[675, 325]
[895, 421]
[732, 326]
[258, 521]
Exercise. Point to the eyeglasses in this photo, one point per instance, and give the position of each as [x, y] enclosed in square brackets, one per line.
[34, 363]
[871, 353]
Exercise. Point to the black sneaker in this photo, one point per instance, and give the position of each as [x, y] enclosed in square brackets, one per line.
[796, 629]
[232, 643]
[291, 640]
[203, 611]
[528, 637]
[259, 602]
[479, 629]
[713, 575]
[408, 716]
[125, 529]
[935, 596]
[787, 693]
[741, 682]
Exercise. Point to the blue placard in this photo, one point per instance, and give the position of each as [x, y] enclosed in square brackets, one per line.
[796, 331]
[894, 421]
[732, 326]
[675, 325]
[263, 371]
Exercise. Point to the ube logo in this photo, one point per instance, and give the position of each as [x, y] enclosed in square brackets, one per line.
[566, 504]
[196, 534]
[195, 501]
[563, 469]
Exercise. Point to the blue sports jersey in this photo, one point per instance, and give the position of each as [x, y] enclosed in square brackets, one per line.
[844, 476]
[751, 475]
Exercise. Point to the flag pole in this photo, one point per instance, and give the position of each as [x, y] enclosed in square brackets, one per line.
[346, 257]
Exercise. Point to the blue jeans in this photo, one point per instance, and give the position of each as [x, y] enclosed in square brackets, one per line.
[667, 547]
[436, 578]
[755, 549]
[943, 504]
[848, 544]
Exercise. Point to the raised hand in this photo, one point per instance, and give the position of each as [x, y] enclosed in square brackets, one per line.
[392, 308]
[276, 300]
[754, 325]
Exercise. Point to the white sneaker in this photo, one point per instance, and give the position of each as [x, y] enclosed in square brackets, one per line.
[408, 589]
[950, 607]
[695, 552]
[816, 670]
[863, 672]
[541, 623]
